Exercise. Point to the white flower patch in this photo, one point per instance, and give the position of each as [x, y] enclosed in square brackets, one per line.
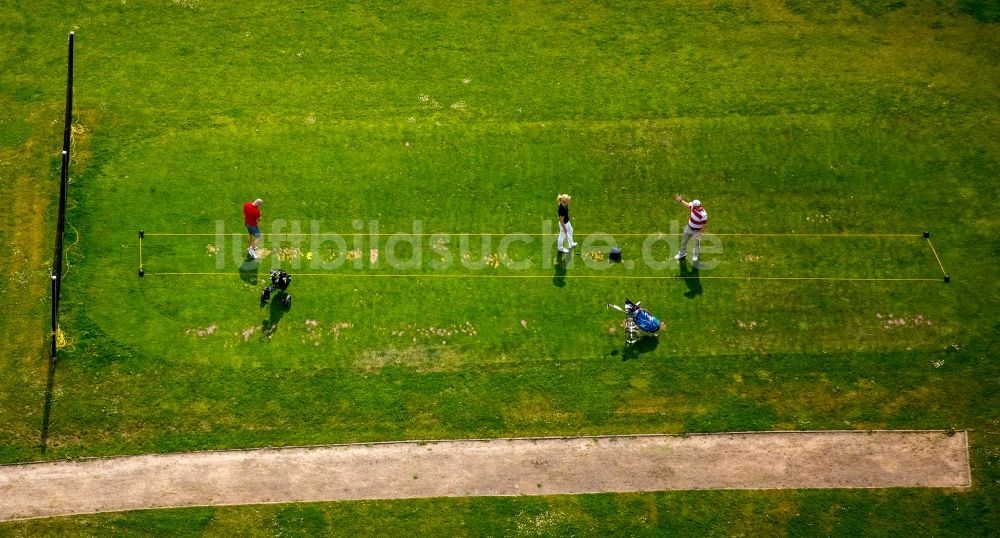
[312, 334]
[889, 320]
[248, 332]
[461, 329]
[428, 103]
[203, 332]
[547, 523]
[337, 327]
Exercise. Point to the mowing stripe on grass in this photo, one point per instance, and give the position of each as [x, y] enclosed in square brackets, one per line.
[490, 467]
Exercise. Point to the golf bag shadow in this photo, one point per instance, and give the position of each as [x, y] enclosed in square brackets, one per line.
[279, 283]
[638, 321]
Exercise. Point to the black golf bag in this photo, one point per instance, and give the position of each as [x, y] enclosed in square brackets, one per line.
[279, 283]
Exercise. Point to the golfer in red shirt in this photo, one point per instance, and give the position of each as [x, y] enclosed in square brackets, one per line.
[251, 218]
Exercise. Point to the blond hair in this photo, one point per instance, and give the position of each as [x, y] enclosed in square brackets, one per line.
[562, 197]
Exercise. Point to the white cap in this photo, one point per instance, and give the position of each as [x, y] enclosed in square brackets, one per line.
[696, 203]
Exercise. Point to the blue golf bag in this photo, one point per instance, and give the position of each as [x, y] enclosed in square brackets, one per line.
[638, 320]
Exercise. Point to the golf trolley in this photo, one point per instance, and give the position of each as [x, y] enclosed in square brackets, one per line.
[279, 283]
[638, 321]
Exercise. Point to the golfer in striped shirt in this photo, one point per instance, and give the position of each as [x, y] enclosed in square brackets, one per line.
[696, 225]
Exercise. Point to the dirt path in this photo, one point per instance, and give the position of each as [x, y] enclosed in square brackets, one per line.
[541, 466]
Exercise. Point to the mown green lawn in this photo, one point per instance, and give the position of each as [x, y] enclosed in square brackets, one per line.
[802, 127]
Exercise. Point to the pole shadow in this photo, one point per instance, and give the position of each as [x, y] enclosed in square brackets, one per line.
[47, 409]
[691, 279]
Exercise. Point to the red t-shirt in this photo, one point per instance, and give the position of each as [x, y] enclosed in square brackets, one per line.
[251, 214]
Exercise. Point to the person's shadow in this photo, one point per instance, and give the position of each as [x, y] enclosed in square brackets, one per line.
[249, 270]
[559, 278]
[690, 276]
[276, 311]
[646, 344]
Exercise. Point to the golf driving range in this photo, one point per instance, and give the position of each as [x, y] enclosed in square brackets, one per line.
[409, 156]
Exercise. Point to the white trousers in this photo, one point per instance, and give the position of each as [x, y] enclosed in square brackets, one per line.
[563, 234]
[688, 234]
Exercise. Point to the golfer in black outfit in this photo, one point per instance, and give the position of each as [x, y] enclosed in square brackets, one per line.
[565, 228]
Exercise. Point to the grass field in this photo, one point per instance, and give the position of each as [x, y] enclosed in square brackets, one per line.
[798, 124]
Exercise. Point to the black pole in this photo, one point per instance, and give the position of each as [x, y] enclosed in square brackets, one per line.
[55, 317]
[57, 258]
